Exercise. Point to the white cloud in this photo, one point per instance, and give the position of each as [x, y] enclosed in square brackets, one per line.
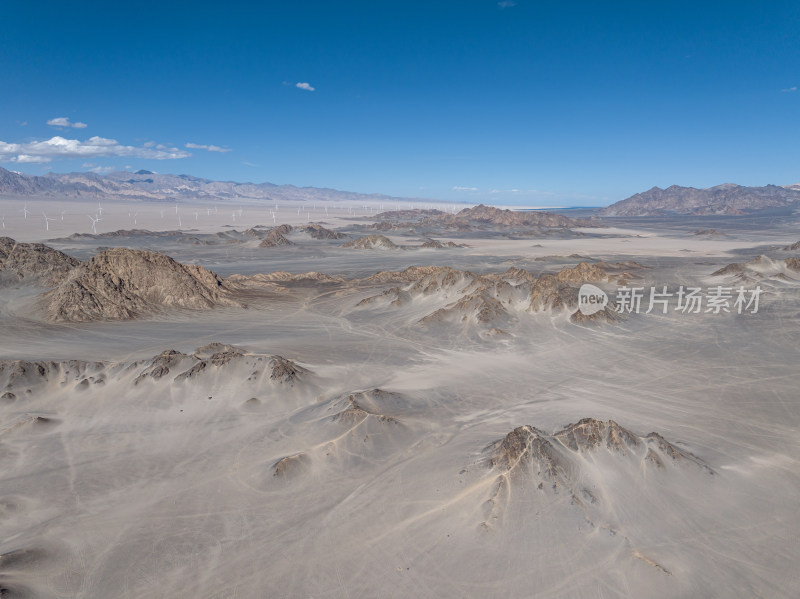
[96, 168]
[60, 148]
[63, 121]
[460, 188]
[506, 3]
[518, 191]
[209, 148]
[305, 86]
[789, 89]
[31, 159]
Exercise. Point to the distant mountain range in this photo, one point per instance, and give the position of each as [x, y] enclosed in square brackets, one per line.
[726, 199]
[145, 185]
[723, 199]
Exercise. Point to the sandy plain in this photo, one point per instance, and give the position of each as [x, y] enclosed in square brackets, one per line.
[377, 467]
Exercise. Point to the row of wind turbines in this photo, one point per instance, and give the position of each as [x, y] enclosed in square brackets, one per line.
[26, 212]
[237, 216]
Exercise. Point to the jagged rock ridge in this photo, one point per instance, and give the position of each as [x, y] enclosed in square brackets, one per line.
[19, 377]
[527, 450]
[495, 299]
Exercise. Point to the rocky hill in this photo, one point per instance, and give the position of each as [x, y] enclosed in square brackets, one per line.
[274, 238]
[728, 199]
[33, 262]
[120, 284]
[372, 242]
[477, 218]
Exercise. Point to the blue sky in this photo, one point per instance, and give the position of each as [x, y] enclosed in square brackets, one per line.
[529, 102]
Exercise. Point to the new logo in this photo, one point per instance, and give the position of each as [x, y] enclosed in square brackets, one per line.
[591, 299]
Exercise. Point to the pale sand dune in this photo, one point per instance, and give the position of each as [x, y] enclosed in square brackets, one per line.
[327, 449]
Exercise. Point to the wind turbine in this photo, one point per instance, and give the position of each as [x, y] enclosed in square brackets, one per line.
[162, 213]
[47, 221]
[95, 220]
[179, 221]
[25, 211]
[62, 215]
[195, 215]
[135, 214]
[4, 221]
[99, 210]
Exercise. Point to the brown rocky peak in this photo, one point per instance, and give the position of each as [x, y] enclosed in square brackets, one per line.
[276, 237]
[120, 284]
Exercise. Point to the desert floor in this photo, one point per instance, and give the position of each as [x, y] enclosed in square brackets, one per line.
[374, 472]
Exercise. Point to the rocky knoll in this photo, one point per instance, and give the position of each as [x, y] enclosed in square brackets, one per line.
[438, 245]
[760, 268]
[372, 242]
[33, 262]
[593, 465]
[490, 215]
[793, 247]
[319, 232]
[275, 238]
[121, 284]
[479, 218]
[555, 459]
